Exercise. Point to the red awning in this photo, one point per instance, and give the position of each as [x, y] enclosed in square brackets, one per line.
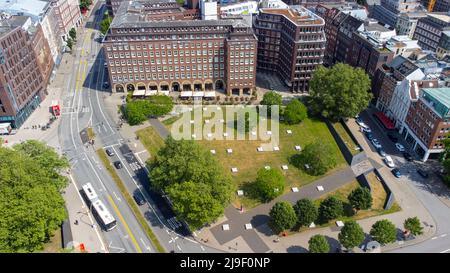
[388, 124]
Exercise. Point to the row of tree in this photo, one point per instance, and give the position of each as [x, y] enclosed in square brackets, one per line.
[137, 111]
[194, 181]
[352, 234]
[31, 205]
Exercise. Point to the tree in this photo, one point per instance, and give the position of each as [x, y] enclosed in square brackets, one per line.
[339, 92]
[384, 232]
[137, 111]
[104, 24]
[271, 98]
[360, 198]
[331, 208]
[31, 206]
[306, 212]
[84, 4]
[317, 157]
[351, 235]
[269, 184]
[413, 225]
[180, 2]
[282, 217]
[182, 161]
[73, 34]
[194, 203]
[69, 43]
[295, 112]
[318, 244]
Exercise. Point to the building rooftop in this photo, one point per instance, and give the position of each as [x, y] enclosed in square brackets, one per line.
[26, 7]
[440, 16]
[442, 95]
[297, 14]
[131, 14]
[6, 25]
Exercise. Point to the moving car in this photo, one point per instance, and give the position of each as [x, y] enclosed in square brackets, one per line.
[422, 173]
[381, 152]
[396, 172]
[399, 147]
[137, 196]
[392, 137]
[109, 152]
[407, 156]
[376, 143]
[118, 165]
[389, 162]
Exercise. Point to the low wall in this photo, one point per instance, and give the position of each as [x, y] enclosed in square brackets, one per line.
[362, 180]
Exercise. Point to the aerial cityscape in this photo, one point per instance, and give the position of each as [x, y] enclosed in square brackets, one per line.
[224, 126]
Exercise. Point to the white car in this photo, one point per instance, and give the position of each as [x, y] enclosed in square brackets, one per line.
[399, 147]
[388, 160]
[361, 123]
[376, 143]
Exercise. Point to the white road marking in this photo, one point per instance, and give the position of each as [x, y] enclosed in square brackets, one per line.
[144, 151]
[443, 235]
[146, 246]
[179, 248]
[117, 197]
[445, 251]
[113, 247]
[203, 249]
[435, 237]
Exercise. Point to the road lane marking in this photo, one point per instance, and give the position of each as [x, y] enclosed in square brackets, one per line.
[124, 223]
[443, 235]
[445, 251]
[117, 197]
[203, 249]
[435, 237]
[179, 248]
[146, 246]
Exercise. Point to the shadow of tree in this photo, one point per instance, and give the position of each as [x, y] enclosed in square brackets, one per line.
[296, 249]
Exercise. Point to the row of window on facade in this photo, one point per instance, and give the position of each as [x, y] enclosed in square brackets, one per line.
[183, 29]
[166, 76]
[175, 68]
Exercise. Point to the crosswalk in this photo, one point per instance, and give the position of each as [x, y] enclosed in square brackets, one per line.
[173, 223]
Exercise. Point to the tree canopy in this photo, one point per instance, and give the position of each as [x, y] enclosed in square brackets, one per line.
[384, 232]
[360, 198]
[267, 183]
[295, 112]
[104, 24]
[317, 157]
[351, 235]
[318, 244]
[31, 205]
[413, 225]
[184, 161]
[306, 212]
[339, 92]
[331, 208]
[73, 34]
[137, 111]
[282, 217]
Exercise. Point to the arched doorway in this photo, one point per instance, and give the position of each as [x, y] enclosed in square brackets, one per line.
[187, 86]
[219, 85]
[164, 86]
[153, 86]
[209, 86]
[130, 87]
[198, 86]
[141, 86]
[247, 91]
[119, 88]
[235, 91]
[175, 86]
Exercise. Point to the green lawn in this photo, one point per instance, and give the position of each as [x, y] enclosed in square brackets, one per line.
[151, 140]
[248, 160]
[351, 145]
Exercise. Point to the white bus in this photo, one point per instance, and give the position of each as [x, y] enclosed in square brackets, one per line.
[89, 193]
[103, 216]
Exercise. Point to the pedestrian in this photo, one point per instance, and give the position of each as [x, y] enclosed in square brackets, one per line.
[76, 222]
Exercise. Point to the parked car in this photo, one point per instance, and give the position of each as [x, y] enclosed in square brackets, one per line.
[407, 156]
[389, 162]
[137, 196]
[118, 165]
[105, 85]
[109, 152]
[381, 152]
[392, 137]
[105, 64]
[422, 173]
[376, 143]
[366, 130]
[396, 172]
[361, 123]
[399, 147]
[369, 136]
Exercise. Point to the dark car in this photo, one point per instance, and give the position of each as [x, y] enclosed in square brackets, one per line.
[139, 198]
[396, 172]
[105, 85]
[422, 173]
[381, 152]
[369, 136]
[118, 165]
[407, 156]
[109, 152]
[393, 138]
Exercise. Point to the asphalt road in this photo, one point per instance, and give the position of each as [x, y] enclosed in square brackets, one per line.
[429, 191]
[84, 109]
[80, 108]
